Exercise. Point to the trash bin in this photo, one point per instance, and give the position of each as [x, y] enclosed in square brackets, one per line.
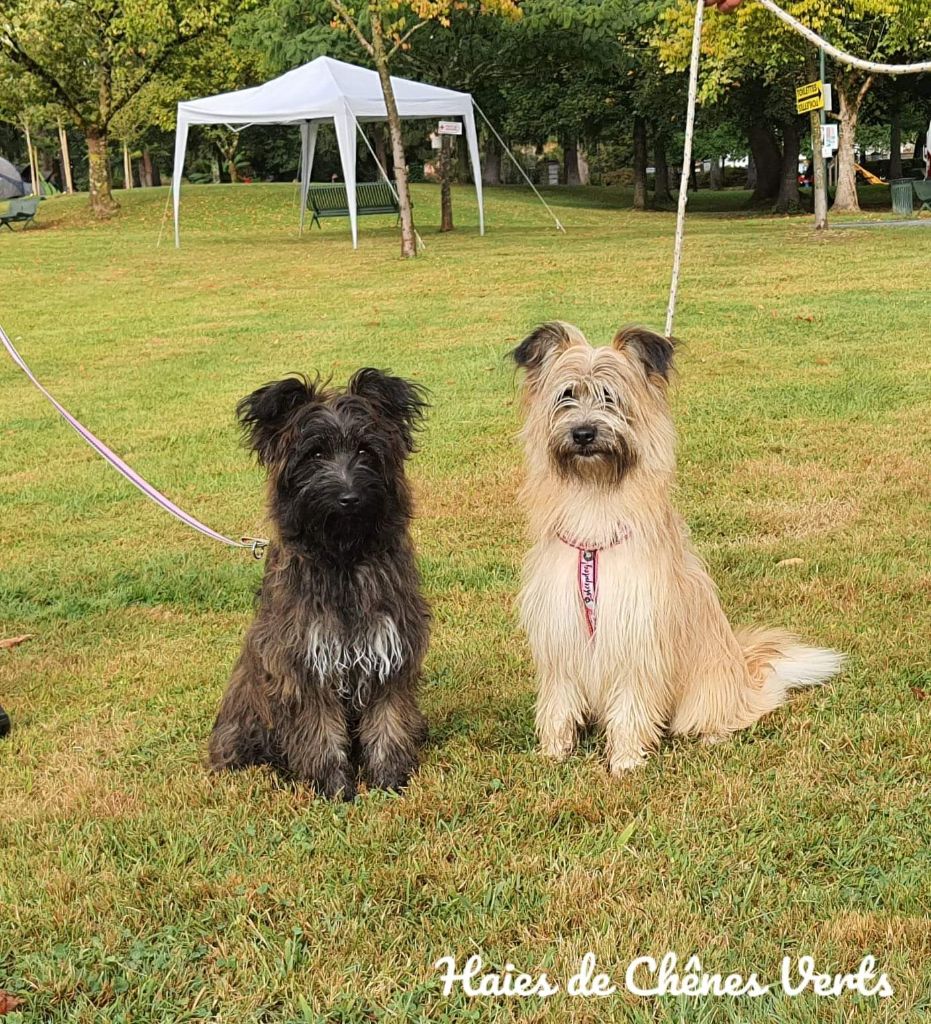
[903, 196]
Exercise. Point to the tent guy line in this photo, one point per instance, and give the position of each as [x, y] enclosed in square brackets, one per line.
[421, 244]
[517, 164]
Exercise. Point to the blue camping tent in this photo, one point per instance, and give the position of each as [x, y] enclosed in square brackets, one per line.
[11, 181]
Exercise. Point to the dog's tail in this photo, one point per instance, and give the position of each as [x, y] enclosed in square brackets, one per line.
[777, 663]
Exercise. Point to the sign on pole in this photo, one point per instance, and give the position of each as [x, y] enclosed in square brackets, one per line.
[829, 136]
[450, 128]
[809, 97]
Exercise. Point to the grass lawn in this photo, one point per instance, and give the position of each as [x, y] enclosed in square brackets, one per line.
[136, 887]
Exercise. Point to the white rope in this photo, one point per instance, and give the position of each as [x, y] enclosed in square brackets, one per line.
[420, 242]
[518, 165]
[686, 167]
[844, 58]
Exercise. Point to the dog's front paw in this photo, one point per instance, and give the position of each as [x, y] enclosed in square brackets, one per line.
[557, 743]
[622, 761]
[557, 751]
[393, 777]
[335, 786]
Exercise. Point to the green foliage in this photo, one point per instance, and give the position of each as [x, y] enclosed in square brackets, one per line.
[752, 41]
[91, 58]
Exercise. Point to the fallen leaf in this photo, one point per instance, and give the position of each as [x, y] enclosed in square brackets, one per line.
[8, 1003]
[790, 561]
[809, 319]
[14, 641]
[918, 693]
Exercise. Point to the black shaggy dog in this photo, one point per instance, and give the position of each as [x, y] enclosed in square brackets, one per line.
[328, 671]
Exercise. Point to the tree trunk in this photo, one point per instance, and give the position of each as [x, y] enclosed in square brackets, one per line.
[640, 163]
[491, 164]
[661, 193]
[33, 169]
[381, 150]
[571, 162]
[146, 178]
[103, 204]
[66, 178]
[408, 238]
[751, 173]
[127, 167]
[585, 176]
[788, 199]
[716, 177]
[851, 98]
[229, 155]
[446, 197]
[895, 143]
[767, 159]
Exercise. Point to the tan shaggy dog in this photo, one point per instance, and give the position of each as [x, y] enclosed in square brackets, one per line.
[623, 619]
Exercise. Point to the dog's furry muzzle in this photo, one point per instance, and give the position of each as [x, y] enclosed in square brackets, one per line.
[605, 460]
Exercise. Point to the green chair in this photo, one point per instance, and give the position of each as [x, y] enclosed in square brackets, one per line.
[22, 209]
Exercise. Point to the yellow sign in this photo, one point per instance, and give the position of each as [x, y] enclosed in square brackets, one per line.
[815, 103]
[809, 97]
[805, 92]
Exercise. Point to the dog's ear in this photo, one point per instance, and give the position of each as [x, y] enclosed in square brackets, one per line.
[539, 347]
[402, 401]
[653, 350]
[266, 412]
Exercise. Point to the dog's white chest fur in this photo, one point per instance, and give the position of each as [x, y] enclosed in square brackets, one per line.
[372, 656]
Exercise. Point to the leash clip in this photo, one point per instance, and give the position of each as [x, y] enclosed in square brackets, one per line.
[256, 545]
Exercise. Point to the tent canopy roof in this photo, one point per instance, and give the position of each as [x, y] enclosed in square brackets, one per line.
[319, 90]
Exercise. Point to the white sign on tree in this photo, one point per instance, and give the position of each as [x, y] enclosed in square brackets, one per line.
[450, 128]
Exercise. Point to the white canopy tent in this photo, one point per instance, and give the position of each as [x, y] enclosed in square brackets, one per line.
[326, 90]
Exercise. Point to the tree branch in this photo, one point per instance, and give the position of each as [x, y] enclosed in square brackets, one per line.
[352, 25]
[397, 46]
[18, 55]
[864, 89]
[152, 70]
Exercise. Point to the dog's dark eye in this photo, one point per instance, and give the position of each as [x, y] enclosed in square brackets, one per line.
[567, 395]
[362, 450]
[608, 397]
[318, 454]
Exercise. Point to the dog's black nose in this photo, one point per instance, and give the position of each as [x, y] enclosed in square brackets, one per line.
[348, 501]
[584, 435]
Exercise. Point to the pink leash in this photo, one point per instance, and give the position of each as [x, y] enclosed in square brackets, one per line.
[588, 574]
[255, 545]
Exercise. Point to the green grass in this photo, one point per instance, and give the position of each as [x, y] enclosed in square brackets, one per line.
[136, 887]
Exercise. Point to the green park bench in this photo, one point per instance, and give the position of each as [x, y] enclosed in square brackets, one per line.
[20, 209]
[329, 200]
[923, 193]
